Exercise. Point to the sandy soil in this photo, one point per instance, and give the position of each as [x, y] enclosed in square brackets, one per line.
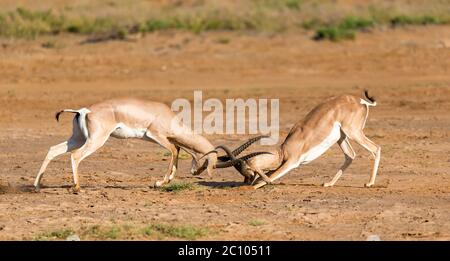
[408, 70]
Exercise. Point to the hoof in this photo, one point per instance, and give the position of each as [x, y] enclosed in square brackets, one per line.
[158, 184]
[327, 185]
[368, 185]
[257, 186]
[76, 190]
[37, 188]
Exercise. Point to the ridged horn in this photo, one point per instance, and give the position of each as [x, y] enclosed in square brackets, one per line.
[244, 146]
[235, 161]
[240, 149]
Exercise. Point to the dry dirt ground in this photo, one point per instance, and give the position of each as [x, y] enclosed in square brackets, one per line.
[408, 70]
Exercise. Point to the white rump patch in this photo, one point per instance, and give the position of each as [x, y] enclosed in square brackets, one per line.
[122, 131]
[84, 110]
[318, 150]
[82, 121]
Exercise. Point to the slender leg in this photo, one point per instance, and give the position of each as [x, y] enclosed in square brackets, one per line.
[96, 141]
[280, 172]
[200, 169]
[262, 175]
[194, 166]
[210, 167]
[55, 151]
[349, 153]
[373, 148]
[175, 164]
[76, 180]
[172, 168]
[194, 163]
[174, 150]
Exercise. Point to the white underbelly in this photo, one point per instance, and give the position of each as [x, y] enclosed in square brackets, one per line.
[318, 150]
[122, 131]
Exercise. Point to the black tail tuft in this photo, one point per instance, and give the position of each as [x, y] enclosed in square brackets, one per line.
[366, 94]
[71, 111]
[57, 115]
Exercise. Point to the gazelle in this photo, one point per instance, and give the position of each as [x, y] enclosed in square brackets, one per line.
[132, 118]
[337, 120]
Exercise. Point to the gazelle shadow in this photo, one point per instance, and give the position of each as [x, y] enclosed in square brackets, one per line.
[31, 189]
[221, 184]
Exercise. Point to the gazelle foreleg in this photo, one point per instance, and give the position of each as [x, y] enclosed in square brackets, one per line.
[175, 164]
[194, 162]
[349, 153]
[280, 172]
[174, 151]
[373, 148]
[260, 174]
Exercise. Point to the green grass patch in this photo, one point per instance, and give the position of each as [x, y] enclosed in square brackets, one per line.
[177, 187]
[182, 155]
[311, 24]
[197, 23]
[278, 5]
[293, 4]
[184, 232]
[104, 233]
[345, 29]
[147, 231]
[253, 15]
[23, 23]
[256, 222]
[112, 233]
[127, 231]
[403, 20]
[333, 33]
[54, 235]
[356, 23]
[52, 44]
[222, 40]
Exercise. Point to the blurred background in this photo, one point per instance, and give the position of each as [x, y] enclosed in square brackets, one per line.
[57, 54]
[334, 19]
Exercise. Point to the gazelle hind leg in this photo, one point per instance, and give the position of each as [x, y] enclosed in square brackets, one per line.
[349, 153]
[373, 148]
[55, 151]
[96, 141]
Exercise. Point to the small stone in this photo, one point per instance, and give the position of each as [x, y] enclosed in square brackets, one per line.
[73, 237]
[373, 238]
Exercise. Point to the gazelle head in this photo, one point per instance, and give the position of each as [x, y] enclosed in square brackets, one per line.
[204, 162]
[241, 164]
